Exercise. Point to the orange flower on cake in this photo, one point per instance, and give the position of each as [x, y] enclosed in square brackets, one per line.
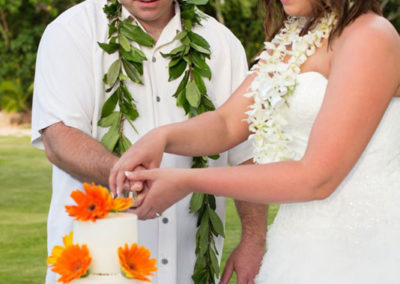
[136, 263]
[95, 203]
[71, 261]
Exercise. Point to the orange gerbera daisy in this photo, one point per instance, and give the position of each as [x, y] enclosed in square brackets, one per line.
[121, 203]
[136, 263]
[92, 204]
[71, 261]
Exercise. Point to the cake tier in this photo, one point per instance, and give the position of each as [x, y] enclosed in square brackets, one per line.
[103, 238]
[106, 279]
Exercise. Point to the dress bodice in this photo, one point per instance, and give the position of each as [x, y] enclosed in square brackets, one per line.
[304, 106]
[364, 191]
[353, 235]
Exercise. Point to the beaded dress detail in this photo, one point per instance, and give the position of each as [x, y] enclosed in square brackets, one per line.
[351, 237]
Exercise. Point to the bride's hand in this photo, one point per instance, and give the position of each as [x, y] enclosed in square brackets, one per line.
[132, 186]
[164, 187]
[146, 152]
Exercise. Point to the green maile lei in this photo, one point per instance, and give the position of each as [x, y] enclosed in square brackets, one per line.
[189, 60]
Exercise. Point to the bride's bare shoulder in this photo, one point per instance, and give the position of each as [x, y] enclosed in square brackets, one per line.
[369, 29]
[371, 38]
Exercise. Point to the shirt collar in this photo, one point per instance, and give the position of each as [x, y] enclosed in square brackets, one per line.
[169, 32]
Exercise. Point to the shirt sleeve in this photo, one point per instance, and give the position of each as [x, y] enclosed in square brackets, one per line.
[243, 151]
[64, 81]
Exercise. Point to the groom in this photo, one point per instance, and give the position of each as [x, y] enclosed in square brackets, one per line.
[68, 97]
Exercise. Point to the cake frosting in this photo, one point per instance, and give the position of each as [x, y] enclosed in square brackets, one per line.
[106, 279]
[103, 238]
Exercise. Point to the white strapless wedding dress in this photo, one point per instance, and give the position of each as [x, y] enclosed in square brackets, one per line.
[352, 237]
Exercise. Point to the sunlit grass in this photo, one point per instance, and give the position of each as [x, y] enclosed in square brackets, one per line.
[25, 190]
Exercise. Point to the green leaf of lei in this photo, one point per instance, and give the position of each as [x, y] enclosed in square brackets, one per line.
[111, 138]
[134, 55]
[113, 72]
[193, 94]
[110, 119]
[109, 47]
[216, 222]
[177, 70]
[196, 202]
[132, 72]
[124, 42]
[110, 104]
[199, 40]
[200, 49]
[197, 2]
[136, 34]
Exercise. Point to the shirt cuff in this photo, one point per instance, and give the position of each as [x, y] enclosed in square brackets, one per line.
[36, 135]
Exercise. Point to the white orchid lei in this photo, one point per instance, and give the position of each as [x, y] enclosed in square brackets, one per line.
[276, 80]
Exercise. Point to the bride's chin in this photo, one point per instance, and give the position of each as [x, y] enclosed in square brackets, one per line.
[294, 11]
[297, 14]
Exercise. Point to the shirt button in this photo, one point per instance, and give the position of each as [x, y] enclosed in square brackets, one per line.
[165, 220]
[158, 99]
[164, 261]
[154, 59]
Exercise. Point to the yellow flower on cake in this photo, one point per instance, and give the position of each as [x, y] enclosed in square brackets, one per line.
[121, 204]
[71, 261]
[136, 263]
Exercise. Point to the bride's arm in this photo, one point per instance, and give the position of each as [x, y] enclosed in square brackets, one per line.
[212, 132]
[363, 79]
[207, 134]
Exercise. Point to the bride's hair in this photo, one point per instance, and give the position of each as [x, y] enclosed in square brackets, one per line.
[347, 11]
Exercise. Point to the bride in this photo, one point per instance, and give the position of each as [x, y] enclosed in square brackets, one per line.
[322, 107]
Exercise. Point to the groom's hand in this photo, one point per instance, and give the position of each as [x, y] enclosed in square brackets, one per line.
[162, 189]
[245, 260]
[146, 152]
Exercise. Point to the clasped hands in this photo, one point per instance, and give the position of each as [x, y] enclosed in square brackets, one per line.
[157, 189]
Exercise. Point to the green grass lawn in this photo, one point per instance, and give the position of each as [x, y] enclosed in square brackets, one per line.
[25, 191]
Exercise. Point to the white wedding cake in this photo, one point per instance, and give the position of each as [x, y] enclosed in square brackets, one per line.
[102, 248]
[103, 238]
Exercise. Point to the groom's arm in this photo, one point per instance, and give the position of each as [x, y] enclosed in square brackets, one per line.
[77, 153]
[64, 104]
[246, 258]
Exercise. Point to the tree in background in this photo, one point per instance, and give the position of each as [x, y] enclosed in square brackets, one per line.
[22, 23]
[245, 19]
[391, 10]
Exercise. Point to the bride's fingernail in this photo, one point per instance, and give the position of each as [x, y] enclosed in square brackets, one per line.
[128, 174]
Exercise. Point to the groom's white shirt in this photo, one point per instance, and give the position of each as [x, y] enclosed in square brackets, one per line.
[69, 88]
